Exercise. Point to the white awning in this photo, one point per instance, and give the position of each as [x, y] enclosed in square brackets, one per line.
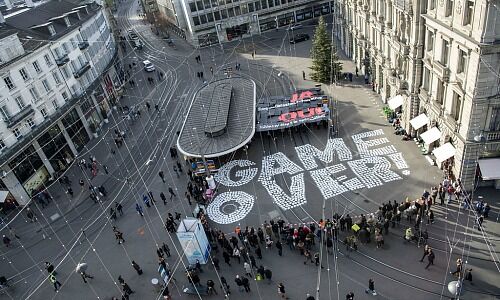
[395, 102]
[490, 168]
[444, 152]
[419, 121]
[3, 196]
[431, 135]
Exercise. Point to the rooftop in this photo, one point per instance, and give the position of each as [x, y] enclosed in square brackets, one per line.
[221, 118]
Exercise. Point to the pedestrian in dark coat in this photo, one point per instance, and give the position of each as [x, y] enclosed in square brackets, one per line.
[246, 284]
[139, 210]
[227, 257]
[172, 194]
[258, 252]
[163, 198]
[162, 176]
[119, 208]
[166, 249]
[279, 246]
[430, 258]
[137, 268]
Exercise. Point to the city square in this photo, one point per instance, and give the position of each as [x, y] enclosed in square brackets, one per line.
[236, 136]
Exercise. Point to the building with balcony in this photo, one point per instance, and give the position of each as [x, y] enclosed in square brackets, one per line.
[443, 58]
[207, 22]
[58, 75]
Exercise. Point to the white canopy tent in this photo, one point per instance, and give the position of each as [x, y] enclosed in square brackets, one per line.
[431, 135]
[444, 152]
[490, 168]
[395, 102]
[419, 121]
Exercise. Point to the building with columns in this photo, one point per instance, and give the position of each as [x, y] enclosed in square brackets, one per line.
[58, 73]
[442, 58]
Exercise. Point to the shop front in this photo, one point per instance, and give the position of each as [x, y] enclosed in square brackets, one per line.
[89, 109]
[236, 31]
[267, 24]
[103, 105]
[108, 83]
[321, 10]
[304, 14]
[286, 19]
[56, 148]
[29, 170]
[76, 130]
[208, 39]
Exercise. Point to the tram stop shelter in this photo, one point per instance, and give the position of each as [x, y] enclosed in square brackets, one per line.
[220, 120]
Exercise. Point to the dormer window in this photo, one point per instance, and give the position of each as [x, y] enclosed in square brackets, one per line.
[52, 31]
[78, 15]
[66, 20]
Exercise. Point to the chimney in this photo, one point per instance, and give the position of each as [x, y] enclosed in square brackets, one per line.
[29, 3]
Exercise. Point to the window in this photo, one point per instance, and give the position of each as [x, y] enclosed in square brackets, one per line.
[4, 112]
[196, 21]
[432, 4]
[456, 106]
[17, 133]
[57, 79]
[469, 12]
[24, 74]
[440, 92]
[237, 11]
[271, 3]
[48, 61]
[230, 12]
[34, 94]
[427, 75]
[65, 96]
[54, 104]
[46, 85]
[210, 17]
[192, 6]
[206, 3]
[217, 15]
[250, 7]
[449, 8]
[37, 67]
[20, 102]
[430, 40]
[445, 52]
[223, 14]
[203, 19]
[2, 144]
[462, 61]
[9, 83]
[65, 48]
[257, 6]
[73, 43]
[52, 31]
[495, 119]
[200, 5]
[43, 111]
[30, 122]
[65, 72]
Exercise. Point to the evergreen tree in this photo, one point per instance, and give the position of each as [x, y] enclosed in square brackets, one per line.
[323, 55]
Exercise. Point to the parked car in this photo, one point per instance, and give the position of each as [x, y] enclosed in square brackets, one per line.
[148, 66]
[295, 26]
[299, 37]
[137, 44]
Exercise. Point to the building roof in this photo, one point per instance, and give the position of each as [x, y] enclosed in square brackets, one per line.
[234, 119]
[49, 12]
[30, 40]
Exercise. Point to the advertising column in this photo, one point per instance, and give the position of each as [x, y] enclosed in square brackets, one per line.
[193, 240]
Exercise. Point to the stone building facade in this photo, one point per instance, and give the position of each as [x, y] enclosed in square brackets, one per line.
[443, 57]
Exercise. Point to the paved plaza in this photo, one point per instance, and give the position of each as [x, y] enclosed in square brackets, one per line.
[300, 191]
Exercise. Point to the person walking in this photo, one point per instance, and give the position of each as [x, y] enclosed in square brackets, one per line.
[119, 208]
[227, 258]
[269, 275]
[215, 262]
[139, 209]
[137, 268]
[119, 236]
[246, 284]
[70, 191]
[281, 291]
[211, 287]
[55, 282]
[85, 276]
[171, 192]
[225, 286]
[426, 252]
[50, 268]
[458, 271]
[303, 75]
[162, 176]
[237, 254]
[6, 241]
[258, 252]
[430, 258]
[146, 200]
[239, 282]
[163, 198]
[248, 269]
[166, 249]
[349, 296]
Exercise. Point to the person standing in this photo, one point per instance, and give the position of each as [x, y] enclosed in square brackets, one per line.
[225, 286]
[279, 246]
[246, 284]
[269, 275]
[258, 252]
[371, 287]
[430, 258]
[215, 262]
[53, 280]
[226, 256]
[237, 254]
[281, 291]
[162, 176]
[303, 75]
[248, 269]
[6, 240]
[119, 208]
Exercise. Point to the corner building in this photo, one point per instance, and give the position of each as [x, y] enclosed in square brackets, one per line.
[443, 58]
[58, 75]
